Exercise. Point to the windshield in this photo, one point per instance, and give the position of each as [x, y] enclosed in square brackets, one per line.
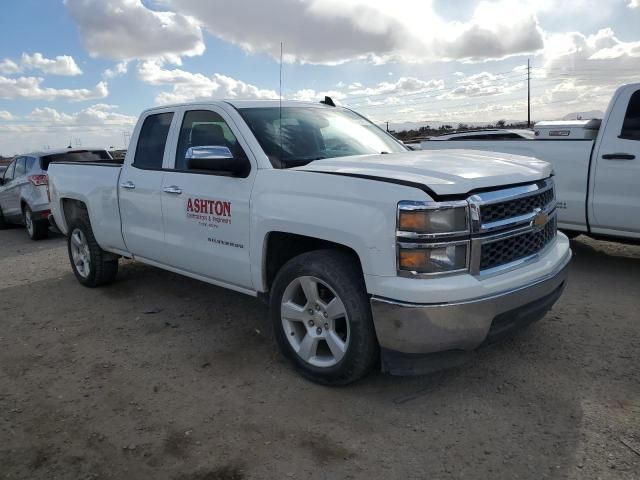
[296, 136]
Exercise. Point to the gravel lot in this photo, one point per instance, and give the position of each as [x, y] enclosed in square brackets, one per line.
[162, 377]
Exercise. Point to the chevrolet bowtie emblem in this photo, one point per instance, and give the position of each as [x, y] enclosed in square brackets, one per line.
[539, 221]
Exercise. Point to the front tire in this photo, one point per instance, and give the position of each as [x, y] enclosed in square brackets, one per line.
[91, 265]
[322, 317]
[36, 229]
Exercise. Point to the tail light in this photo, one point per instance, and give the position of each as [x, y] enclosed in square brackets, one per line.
[39, 180]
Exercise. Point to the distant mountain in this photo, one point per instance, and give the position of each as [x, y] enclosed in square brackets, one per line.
[584, 115]
[404, 126]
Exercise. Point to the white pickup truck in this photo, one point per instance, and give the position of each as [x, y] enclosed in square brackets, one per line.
[596, 165]
[368, 254]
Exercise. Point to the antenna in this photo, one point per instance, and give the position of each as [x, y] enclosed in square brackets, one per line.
[280, 126]
[528, 93]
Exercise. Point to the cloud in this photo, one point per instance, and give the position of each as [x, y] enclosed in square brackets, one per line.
[582, 68]
[126, 29]
[96, 125]
[30, 88]
[335, 31]
[93, 116]
[576, 72]
[402, 86]
[9, 67]
[485, 84]
[311, 95]
[634, 3]
[118, 70]
[187, 86]
[61, 65]
[4, 115]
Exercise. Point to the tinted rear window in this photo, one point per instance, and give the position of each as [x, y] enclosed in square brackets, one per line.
[152, 140]
[83, 156]
[631, 126]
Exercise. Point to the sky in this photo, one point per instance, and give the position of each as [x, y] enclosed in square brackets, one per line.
[84, 69]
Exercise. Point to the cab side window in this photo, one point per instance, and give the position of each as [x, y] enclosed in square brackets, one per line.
[204, 128]
[631, 125]
[152, 140]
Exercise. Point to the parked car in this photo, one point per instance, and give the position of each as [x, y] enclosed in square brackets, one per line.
[24, 196]
[369, 254]
[486, 134]
[596, 163]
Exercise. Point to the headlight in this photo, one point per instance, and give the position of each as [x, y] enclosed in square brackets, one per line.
[433, 258]
[433, 238]
[436, 219]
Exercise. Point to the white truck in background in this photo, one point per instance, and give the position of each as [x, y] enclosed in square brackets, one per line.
[369, 255]
[596, 165]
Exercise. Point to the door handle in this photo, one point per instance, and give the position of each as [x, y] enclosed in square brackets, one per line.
[618, 156]
[173, 189]
[128, 185]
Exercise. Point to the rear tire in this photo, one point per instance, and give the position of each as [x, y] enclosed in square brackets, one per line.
[327, 335]
[91, 265]
[36, 229]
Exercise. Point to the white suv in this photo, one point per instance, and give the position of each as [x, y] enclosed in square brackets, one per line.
[24, 187]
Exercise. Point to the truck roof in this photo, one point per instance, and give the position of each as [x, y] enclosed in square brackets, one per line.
[246, 104]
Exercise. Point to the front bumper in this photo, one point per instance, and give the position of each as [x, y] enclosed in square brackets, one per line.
[409, 329]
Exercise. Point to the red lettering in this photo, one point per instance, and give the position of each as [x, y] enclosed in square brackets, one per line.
[211, 207]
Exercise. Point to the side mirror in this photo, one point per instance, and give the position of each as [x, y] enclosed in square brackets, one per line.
[214, 158]
[1, 181]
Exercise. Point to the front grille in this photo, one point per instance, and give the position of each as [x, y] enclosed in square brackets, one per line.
[514, 248]
[513, 208]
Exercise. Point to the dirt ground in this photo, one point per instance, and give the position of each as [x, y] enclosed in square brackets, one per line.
[162, 377]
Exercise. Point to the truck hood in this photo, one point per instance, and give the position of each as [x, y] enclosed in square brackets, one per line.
[445, 172]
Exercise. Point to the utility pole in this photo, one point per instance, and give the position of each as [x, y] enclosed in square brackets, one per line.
[528, 93]
[387, 125]
[126, 138]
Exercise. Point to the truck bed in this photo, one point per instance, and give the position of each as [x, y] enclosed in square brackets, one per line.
[570, 160]
[95, 184]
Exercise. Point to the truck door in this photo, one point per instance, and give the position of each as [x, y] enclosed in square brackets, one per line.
[206, 213]
[616, 177]
[140, 187]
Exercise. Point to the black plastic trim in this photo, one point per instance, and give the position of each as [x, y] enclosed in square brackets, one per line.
[195, 172]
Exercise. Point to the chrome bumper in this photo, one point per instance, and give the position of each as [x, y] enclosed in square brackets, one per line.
[410, 328]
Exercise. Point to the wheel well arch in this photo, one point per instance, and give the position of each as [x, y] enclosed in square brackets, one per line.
[280, 247]
[72, 209]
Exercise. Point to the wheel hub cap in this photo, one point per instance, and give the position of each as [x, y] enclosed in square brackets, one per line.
[80, 253]
[315, 321]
